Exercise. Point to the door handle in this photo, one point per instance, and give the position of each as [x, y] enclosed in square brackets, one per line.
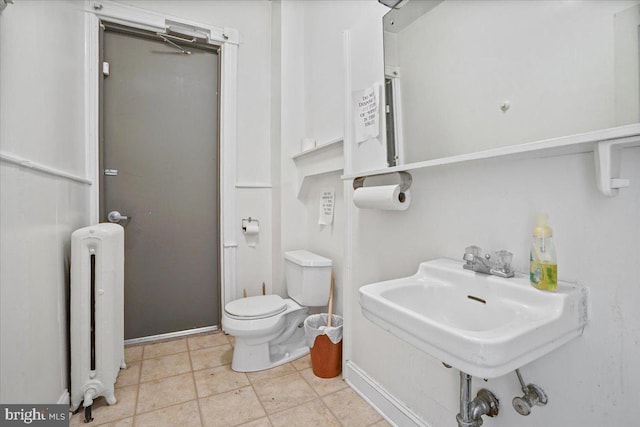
[115, 216]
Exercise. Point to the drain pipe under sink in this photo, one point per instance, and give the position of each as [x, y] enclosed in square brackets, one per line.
[471, 411]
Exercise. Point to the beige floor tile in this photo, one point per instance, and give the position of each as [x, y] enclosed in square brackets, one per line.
[314, 413]
[165, 348]
[381, 423]
[130, 375]
[276, 372]
[219, 380]
[210, 340]
[351, 409]
[183, 415]
[302, 363]
[158, 394]
[103, 413]
[133, 354]
[231, 408]
[165, 366]
[323, 386]
[262, 422]
[232, 340]
[277, 394]
[127, 422]
[211, 357]
[168, 391]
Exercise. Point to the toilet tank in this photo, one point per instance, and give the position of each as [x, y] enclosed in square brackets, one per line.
[308, 277]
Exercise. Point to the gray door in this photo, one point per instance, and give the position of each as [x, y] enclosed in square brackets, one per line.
[159, 152]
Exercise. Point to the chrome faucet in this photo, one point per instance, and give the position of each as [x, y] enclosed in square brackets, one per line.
[499, 264]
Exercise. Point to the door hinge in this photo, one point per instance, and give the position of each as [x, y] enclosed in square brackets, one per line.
[105, 68]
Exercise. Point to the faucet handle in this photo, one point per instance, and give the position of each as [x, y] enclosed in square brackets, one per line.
[474, 250]
[470, 252]
[502, 264]
[503, 259]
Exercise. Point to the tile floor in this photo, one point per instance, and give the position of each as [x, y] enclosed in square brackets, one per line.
[189, 382]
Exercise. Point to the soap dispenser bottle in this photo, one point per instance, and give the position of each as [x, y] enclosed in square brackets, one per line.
[543, 269]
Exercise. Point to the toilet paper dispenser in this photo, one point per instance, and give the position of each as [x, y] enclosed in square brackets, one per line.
[248, 222]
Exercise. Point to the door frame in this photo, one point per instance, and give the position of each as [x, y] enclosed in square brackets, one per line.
[227, 40]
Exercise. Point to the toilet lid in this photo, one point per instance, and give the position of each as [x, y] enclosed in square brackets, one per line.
[256, 307]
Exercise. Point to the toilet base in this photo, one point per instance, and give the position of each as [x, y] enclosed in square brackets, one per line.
[249, 357]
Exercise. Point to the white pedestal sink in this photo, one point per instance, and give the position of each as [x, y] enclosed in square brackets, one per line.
[486, 326]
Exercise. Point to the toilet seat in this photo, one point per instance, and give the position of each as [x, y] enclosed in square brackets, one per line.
[258, 307]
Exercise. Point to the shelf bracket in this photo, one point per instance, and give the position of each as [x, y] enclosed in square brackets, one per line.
[607, 155]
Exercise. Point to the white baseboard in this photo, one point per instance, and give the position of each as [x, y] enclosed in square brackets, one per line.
[170, 335]
[64, 398]
[394, 411]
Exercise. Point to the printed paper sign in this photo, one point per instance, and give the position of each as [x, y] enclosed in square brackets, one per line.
[366, 114]
[326, 208]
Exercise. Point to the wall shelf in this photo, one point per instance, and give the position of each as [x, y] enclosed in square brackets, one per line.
[605, 143]
[318, 149]
[319, 161]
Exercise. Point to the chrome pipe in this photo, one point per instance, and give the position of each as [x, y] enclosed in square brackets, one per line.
[471, 411]
[465, 395]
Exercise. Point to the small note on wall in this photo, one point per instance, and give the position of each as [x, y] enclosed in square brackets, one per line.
[365, 113]
[326, 208]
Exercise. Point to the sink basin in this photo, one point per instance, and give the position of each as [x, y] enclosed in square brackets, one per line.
[486, 326]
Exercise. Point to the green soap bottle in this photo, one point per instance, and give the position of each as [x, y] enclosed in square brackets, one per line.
[543, 267]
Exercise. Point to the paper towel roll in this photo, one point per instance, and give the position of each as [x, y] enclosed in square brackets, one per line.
[385, 197]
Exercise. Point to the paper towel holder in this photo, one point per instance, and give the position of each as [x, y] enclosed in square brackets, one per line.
[405, 180]
[246, 221]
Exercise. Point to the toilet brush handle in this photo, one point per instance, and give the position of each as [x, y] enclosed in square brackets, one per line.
[330, 301]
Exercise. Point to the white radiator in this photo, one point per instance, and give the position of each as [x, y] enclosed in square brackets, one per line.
[97, 312]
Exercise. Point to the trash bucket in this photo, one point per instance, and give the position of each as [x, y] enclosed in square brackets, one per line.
[325, 343]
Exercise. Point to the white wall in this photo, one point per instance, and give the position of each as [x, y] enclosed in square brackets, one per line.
[313, 91]
[276, 146]
[292, 128]
[591, 381]
[365, 68]
[41, 120]
[554, 62]
[253, 21]
[324, 70]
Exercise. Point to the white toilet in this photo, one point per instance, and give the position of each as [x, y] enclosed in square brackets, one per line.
[269, 330]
